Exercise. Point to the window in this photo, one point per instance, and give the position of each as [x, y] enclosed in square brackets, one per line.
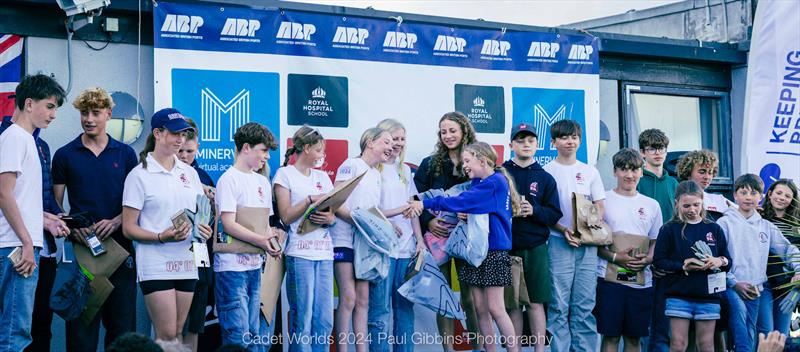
[691, 118]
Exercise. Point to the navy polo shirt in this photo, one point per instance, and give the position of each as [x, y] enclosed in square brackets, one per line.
[95, 183]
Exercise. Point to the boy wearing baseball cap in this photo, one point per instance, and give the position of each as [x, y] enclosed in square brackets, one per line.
[530, 230]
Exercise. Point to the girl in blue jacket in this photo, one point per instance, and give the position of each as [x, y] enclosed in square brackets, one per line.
[492, 192]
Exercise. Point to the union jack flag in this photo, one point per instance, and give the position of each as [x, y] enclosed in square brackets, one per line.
[10, 70]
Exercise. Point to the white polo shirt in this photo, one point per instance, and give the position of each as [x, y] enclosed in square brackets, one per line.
[317, 244]
[237, 189]
[159, 194]
[19, 155]
[396, 190]
[366, 195]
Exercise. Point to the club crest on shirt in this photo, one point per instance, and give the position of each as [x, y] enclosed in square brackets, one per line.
[579, 178]
[534, 188]
[319, 186]
[260, 194]
[710, 238]
[762, 237]
[184, 180]
[115, 164]
[642, 213]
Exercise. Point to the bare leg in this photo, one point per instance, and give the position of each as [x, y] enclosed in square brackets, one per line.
[705, 335]
[360, 315]
[345, 281]
[679, 338]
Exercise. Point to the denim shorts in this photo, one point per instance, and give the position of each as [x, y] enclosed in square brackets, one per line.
[681, 308]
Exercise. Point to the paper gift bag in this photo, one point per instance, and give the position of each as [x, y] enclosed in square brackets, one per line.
[622, 241]
[271, 280]
[334, 199]
[101, 289]
[104, 264]
[584, 214]
[254, 219]
[516, 295]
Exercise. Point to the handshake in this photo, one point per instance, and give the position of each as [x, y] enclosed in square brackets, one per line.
[413, 209]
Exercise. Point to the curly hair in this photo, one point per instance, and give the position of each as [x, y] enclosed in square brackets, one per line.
[441, 153]
[93, 98]
[696, 157]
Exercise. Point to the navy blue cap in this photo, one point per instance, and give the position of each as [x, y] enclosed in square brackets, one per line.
[170, 119]
[523, 127]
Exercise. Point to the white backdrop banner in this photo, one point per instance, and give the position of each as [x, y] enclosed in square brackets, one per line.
[227, 65]
[772, 121]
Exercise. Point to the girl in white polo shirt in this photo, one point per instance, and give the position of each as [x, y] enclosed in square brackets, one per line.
[156, 189]
[376, 148]
[309, 256]
[386, 306]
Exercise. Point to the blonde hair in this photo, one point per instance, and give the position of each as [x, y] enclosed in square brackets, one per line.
[687, 188]
[391, 125]
[93, 98]
[370, 135]
[485, 152]
[305, 136]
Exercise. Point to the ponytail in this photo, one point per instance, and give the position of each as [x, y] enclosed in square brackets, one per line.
[516, 199]
[288, 155]
[149, 146]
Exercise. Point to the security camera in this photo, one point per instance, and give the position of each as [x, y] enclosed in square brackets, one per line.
[77, 7]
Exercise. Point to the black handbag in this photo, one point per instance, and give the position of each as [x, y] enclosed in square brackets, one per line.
[71, 288]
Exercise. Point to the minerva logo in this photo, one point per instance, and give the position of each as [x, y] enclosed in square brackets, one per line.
[350, 35]
[297, 31]
[182, 24]
[400, 40]
[581, 52]
[495, 47]
[449, 43]
[240, 27]
[544, 50]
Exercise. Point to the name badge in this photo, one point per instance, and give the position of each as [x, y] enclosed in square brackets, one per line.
[200, 251]
[716, 282]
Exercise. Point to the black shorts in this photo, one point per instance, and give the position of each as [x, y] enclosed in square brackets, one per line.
[151, 286]
[343, 255]
[623, 311]
[196, 320]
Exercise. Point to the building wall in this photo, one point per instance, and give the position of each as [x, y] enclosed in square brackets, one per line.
[691, 19]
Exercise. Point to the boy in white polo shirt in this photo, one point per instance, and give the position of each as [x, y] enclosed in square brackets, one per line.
[21, 207]
[569, 315]
[624, 309]
[238, 275]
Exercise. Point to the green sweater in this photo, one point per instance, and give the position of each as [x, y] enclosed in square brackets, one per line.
[662, 189]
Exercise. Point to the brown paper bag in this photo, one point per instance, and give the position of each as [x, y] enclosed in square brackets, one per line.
[105, 264]
[254, 219]
[622, 241]
[584, 213]
[516, 295]
[334, 199]
[271, 280]
[101, 289]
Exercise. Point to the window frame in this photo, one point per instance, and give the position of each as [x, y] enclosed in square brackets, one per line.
[721, 183]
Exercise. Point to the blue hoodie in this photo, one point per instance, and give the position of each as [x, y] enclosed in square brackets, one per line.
[488, 196]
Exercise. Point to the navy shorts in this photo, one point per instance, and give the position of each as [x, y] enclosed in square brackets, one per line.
[343, 255]
[623, 310]
[151, 286]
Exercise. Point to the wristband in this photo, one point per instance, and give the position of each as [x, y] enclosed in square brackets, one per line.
[158, 235]
[309, 200]
[614, 258]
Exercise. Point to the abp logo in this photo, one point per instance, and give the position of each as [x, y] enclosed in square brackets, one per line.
[220, 102]
[542, 107]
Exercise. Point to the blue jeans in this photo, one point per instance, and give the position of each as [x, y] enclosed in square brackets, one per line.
[659, 323]
[386, 305]
[239, 308]
[746, 318]
[780, 320]
[573, 275]
[309, 289]
[18, 294]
